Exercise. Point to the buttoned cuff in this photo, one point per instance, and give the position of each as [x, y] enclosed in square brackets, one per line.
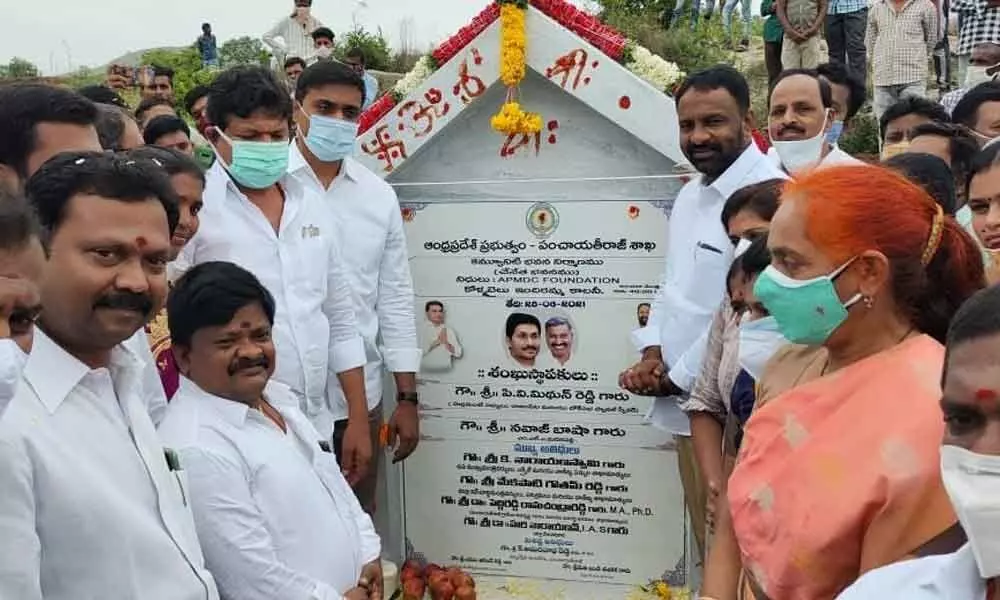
[682, 377]
[347, 354]
[645, 337]
[403, 360]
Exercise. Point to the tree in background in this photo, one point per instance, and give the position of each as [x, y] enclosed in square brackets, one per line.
[378, 56]
[19, 68]
[244, 50]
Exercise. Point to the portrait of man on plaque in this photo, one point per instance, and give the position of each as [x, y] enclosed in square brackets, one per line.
[523, 335]
[559, 337]
[439, 342]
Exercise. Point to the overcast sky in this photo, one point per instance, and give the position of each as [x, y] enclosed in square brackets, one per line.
[60, 35]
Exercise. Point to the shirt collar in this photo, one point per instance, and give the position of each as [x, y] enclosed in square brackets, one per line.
[297, 164]
[733, 177]
[218, 179]
[54, 373]
[957, 577]
[233, 412]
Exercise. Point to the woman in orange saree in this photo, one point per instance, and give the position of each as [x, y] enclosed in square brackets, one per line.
[188, 182]
[840, 474]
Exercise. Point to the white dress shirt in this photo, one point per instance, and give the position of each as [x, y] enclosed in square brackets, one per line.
[316, 332]
[370, 232]
[12, 360]
[952, 576]
[276, 518]
[153, 394]
[296, 39]
[699, 254]
[89, 507]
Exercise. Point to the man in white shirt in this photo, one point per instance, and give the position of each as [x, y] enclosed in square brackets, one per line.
[799, 121]
[559, 338]
[440, 343]
[970, 470]
[92, 505]
[292, 35]
[258, 216]
[22, 261]
[37, 122]
[713, 111]
[713, 108]
[275, 516]
[523, 333]
[328, 101]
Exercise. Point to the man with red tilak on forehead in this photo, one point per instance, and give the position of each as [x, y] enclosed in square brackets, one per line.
[970, 468]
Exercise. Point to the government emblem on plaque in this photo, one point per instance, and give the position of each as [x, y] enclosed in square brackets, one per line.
[542, 219]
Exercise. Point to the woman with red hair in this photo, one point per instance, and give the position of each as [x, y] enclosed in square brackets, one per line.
[839, 473]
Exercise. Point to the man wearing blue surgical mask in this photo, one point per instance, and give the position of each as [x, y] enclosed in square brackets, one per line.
[258, 216]
[848, 94]
[799, 120]
[329, 97]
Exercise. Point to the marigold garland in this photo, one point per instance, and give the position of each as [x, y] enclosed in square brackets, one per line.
[512, 119]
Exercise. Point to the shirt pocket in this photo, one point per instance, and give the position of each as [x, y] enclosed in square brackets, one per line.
[708, 274]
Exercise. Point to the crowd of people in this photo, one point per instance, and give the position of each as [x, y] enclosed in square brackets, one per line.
[802, 324]
[220, 290]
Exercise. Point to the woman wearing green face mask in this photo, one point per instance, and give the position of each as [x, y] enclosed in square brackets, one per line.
[839, 473]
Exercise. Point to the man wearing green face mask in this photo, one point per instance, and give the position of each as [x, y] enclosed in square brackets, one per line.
[329, 98]
[260, 218]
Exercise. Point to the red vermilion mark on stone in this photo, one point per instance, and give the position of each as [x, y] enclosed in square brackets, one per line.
[625, 103]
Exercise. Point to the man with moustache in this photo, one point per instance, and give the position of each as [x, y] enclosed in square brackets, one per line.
[559, 338]
[38, 122]
[642, 313]
[713, 111]
[274, 514]
[799, 120]
[524, 333]
[87, 487]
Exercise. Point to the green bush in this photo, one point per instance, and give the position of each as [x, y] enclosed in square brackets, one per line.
[244, 50]
[862, 136]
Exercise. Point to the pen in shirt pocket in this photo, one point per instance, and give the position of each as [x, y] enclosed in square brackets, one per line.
[709, 247]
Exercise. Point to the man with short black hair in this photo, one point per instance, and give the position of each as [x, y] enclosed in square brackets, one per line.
[102, 94]
[899, 119]
[323, 41]
[953, 144]
[196, 101]
[439, 342]
[523, 333]
[294, 67]
[848, 91]
[38, 121]
[715, 122]
[22, 261]
[207, 47]
[297, 532]
[168, 131]
[153, 107]
[328, 104]
[161, 85]
[979, 110]
[259, 216]
[87, 486]
[355, 58]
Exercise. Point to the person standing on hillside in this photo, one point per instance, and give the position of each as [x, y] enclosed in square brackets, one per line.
[207, 47]
[801, 19]
[292, 35]
[846, 24]
[901, 36]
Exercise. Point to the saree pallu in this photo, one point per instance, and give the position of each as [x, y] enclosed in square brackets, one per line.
[840, 475]
[159, 342]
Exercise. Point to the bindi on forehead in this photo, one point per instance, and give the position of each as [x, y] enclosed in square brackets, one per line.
[986, 396]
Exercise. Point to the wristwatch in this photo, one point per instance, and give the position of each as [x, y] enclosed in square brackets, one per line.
[410, 397]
